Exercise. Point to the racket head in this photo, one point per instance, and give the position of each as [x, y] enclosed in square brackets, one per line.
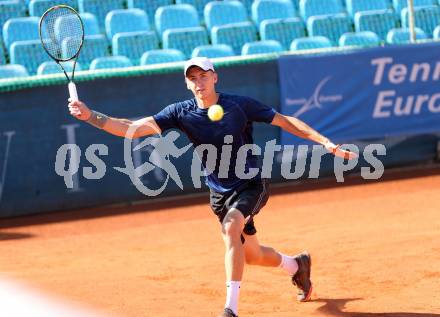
[61, 33]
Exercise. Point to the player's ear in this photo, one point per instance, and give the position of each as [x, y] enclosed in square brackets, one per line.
[215, 78]
[187, 85]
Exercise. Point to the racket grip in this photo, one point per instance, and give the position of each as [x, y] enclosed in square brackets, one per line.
[72, 91]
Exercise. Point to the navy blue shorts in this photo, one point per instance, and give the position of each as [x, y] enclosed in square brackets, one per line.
[249, 198]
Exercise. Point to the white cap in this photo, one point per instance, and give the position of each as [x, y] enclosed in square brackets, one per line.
[202, 62]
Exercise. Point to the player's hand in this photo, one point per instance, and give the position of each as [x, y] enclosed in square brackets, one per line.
[337, 151]
[79, 110]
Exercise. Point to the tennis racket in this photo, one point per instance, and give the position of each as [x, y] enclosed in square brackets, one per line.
[62, 36]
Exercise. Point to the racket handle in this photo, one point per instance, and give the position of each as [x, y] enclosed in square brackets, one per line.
[72, 91]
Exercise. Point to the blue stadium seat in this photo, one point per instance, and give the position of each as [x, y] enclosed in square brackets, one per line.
[94, 46]
[110, 62]
[100, 8]
[12, 71]
[310, 8]
[426, 18]
[296, 4]
[312, 42]
[185, 40]
[29, 54]
[10, 9]
[213, 51]
[401, 4]
[364, 38]
[436, 33]
[52, 67]
[354, 6]
[128, 20]
[235, 35]
[402, 35]
[134, 44]
[38, 7]
[162, 56]
[272, 9]
[261, 47]
[330, 26]
[282, 30]
[378, 22]
[20, 29]
[149, 6]
[90, 23]
[175, 17]
[2, 54]
[219, 13]
[198, 4]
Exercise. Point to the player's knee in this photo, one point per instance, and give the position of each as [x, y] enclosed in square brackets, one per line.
[233, 224]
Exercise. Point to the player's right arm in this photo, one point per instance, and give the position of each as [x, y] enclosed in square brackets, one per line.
[119, 127]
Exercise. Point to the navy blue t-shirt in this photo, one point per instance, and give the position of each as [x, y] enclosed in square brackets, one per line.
[239, 113]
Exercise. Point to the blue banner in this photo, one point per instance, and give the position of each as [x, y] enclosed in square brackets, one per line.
[372, 93]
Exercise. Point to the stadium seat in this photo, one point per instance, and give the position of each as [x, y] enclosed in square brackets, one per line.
[90, 23]
[100, 8]
[213, 51]
[38, 7]
[378, 22]
[2, 54]
[20, 29]
[436, 33]
[10, 9]
[282, 30]
[310, 8]
[175, 17]
[235, 35]
[272, 9]
[198, 4]
[403, 35]
[296, 4]
[94, 46]
[12, 71]
[128, 20]
[134, 44]
[364, 38]
[149, 6]
[185, 40]
[401, 4]
[354, 6]
[29, 54]
[330, 26]
[261, 47]
[162, 56]
[52, 67]
[426, 18]
[308, 43]
[219, 13]
[110, 62]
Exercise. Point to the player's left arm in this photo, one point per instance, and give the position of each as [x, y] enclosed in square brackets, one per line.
[302, 130]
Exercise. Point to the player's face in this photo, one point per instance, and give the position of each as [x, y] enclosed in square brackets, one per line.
[200, 82]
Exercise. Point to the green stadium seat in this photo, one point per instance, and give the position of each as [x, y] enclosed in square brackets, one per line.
[20, 29]
[107, 62]
[134, 44]
[12, 71]
[38, 7]
[100, 9]
[213, 51]
[219, 13]
[235, 35]
[149, 6]
[175, 17]
[330, 26]
[94, 46]
[364, 39]
[272, 9]
[401, 4]
[29, 54]
[10, 9]
[312, 42]
[379, 22]
[185, 40]
[162, 56]
[310, 8]
[198, 4]
[127, 20]
[52, 67]
[261, 47]
[427, 18]
[354, 6]
[402, 35]
[282, 30]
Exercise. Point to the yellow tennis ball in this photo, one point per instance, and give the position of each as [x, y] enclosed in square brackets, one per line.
[215, 112]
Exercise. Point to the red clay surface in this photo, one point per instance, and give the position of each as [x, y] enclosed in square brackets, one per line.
[375, 249]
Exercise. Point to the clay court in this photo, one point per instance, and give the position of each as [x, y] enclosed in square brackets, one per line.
[375, 250]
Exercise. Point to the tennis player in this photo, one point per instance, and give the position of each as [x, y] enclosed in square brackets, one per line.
[234, 200]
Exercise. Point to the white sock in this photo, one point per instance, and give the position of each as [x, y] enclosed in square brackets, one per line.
[289, 264]
[232, 293]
